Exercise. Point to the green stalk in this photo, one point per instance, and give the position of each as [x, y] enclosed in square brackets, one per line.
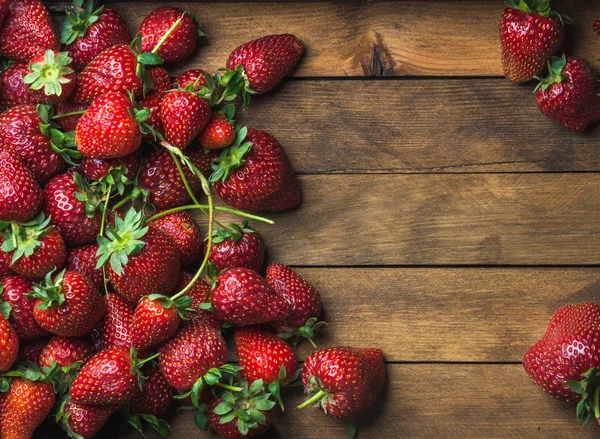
[597, 402]
[102, 225]
[122, 202]
[316, 397]
[72, 113]
[228, 387]
[168, 34]
[185, 182]
[203, 208]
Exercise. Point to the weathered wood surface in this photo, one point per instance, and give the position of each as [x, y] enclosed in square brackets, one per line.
[432, 38]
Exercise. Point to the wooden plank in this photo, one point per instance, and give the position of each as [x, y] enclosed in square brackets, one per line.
[414, 126]
[437, 38]
[454, 219]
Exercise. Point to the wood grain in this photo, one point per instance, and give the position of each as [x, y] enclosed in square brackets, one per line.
[418, 126]
[434, 38]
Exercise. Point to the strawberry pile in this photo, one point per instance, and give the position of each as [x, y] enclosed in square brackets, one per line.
[114, 301]
[530, 36]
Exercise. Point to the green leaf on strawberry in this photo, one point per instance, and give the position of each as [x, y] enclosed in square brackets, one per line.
[49, 291]
[78, 20]
[51, 74]
[24, 238]
[231, 157]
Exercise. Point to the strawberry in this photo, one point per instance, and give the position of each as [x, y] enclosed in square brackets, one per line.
[343, 381]
[83, 420]
[218, 133]
[185, 233]
[237, 247]
[242, 415]
[68, 123]
[155, 319]
[21, 195]
[30, 350]
[199, 292]
[87, 32]
[21, 131]
[65, 352]
[78, 221]
[241, 297]
[183, 115]
[50, 77]
[191, 79]
[255, 174]
[108, 129]
[179, 42]
[68, 305]
[25, 407]
[143, 261]
[3, 10]
[21, 317]
[190, 354]
[109, 378]
[33, 248]
[95, 169]
[27, 30]
[261, 64]
[9, 342]
[568, 94]
[115, 329]
[83, 260]
[159, 175]
[530, 33]
[597, 25]
[162, 82]
[302, 297]
[5, 270]
[13, 91]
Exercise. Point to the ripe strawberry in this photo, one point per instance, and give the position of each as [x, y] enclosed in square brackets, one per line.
[199, 292]
[30, 350]
[83, 260]
[597, 25]
[21, 195]
[115, 330]
[143, 261]
[180, 43]
[3, 10]
[155, 319]
[21, 317]
[95, 169]
[241, 297]
[65, 352]
[237, 247]
[530, 33]
[68, 123]
[50, 77]
[262, 64]
[27, 30]
[20, 131]
[86, 32]
[255, 174]
[156, 396]
[190, 354]
[218, 134]
[13, 91]
[568, 94]
[343, 381]
[162, 83]
[183, 115]
[25, 407]
[108, 129]
[191, 79]
[9, 343]
[159, 175]
[68, 305]
[39, 248]
[83, 420]
[183, 229]
[78, 221]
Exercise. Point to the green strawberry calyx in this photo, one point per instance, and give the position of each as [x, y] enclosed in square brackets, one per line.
[24, 238]
[232, 231]
[282, 381]
[159, 425]
[137, 364]
[589, 389]
[51, 74]
[63, 418]
[61, 142]
[182, 304]
[49, 291]
[79, 19]
[541, 7]
[556, 66]
[121, 240]
[231, 157]
[234, 83]
[29, 371]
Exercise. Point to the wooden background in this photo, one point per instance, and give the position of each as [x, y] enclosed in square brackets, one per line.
[444, 218]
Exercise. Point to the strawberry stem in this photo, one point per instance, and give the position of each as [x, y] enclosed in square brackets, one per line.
[228, 387]
[203, 208]
[168, 33]
[182, 174]
[597, 402]
[313, 399]
[72, 113]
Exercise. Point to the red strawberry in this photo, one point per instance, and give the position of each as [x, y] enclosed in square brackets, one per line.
[69, 123]
[21, 195]
[160, 78]
[20, 131]
[264, 62]
[109, 378]
[343, 381]
[3, 10]
[183, 229]
[255, 174]
[30, 350]
[65, 352]
[192, 79]
[568, 94]
[183, 114]
[13, 91]
[159, 175]
[21, 317]
[241, 297]
[83, 260]
[199, 292]
[218, 134]
[156, 396]
[95, 169]
[77, 221]
[86, 32]
[190, 354]
[151, 258]
[108, 129]
[597, 26]
[237, 246]
[9, 344]
[162, 83]
[68, 305]
[25, 407]
[27, 30]
[83, 420]
[180, 43]
[155, 319]
[115, 329]
[530, 33]
[50, 77]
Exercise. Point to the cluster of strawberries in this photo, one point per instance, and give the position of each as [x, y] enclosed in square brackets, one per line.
[102, 156]
[530, 36]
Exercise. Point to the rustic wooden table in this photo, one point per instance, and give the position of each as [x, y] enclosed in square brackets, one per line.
[444, 218]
